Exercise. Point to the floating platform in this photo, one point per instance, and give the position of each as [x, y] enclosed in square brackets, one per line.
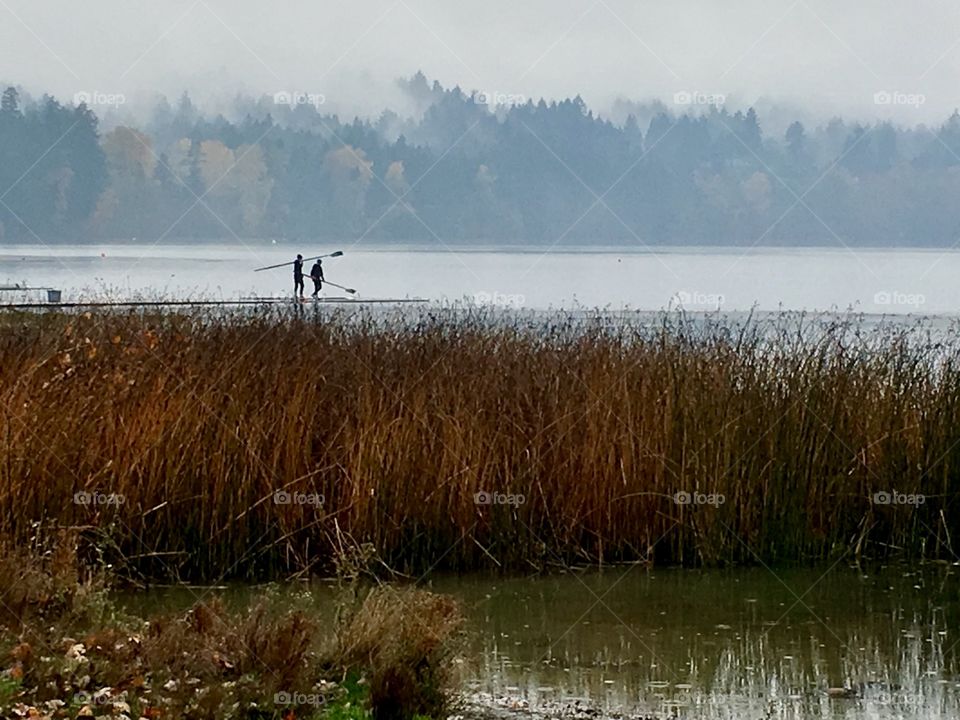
[211, 303]
[53, 294]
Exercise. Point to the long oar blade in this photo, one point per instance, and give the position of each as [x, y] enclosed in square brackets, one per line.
[338, 253]
[345, 289]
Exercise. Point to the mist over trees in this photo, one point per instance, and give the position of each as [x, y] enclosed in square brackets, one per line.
[458, 169]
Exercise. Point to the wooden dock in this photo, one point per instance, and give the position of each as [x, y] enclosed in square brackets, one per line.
[209, 303]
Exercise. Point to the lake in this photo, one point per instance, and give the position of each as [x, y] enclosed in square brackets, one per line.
[732, 279]
[742, 643]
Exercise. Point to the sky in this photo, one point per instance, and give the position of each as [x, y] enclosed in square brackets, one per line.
[862, 59]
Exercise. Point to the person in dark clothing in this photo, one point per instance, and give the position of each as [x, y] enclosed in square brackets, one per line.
[298, 276]
[316, 274]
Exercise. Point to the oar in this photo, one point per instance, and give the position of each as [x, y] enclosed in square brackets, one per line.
[345, 289]
[338, 253]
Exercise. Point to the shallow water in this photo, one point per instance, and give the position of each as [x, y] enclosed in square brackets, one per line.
[746, 643]
[731, 279]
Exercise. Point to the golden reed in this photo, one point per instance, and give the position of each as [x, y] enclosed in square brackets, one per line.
[263, 443]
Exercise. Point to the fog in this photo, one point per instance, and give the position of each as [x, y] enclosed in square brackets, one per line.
[886, 60]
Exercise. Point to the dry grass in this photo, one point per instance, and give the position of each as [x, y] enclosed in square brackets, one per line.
[45, 583]
[62, 639]
[64, 644]
[405, 641]
[196, 420]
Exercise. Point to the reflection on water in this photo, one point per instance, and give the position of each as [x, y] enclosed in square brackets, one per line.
[737, 644]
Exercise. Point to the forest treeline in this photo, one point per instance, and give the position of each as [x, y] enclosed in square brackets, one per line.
[458, 170]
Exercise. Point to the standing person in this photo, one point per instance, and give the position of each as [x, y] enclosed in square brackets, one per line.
[298, 276]
[316, 274]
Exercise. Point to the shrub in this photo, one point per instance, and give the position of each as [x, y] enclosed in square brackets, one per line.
[407, 639]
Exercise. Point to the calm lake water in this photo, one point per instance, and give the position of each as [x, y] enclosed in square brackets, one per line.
[744, 644]
[734, 279]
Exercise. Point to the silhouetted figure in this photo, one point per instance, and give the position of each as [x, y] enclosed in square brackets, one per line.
[316, 274]
[298, 276]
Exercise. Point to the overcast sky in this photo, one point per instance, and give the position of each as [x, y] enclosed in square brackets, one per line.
[885, 59]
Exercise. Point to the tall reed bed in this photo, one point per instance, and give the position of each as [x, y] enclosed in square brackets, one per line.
[260, 444]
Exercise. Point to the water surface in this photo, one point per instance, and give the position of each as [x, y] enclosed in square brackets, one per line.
[732, 279]
[745, 643]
